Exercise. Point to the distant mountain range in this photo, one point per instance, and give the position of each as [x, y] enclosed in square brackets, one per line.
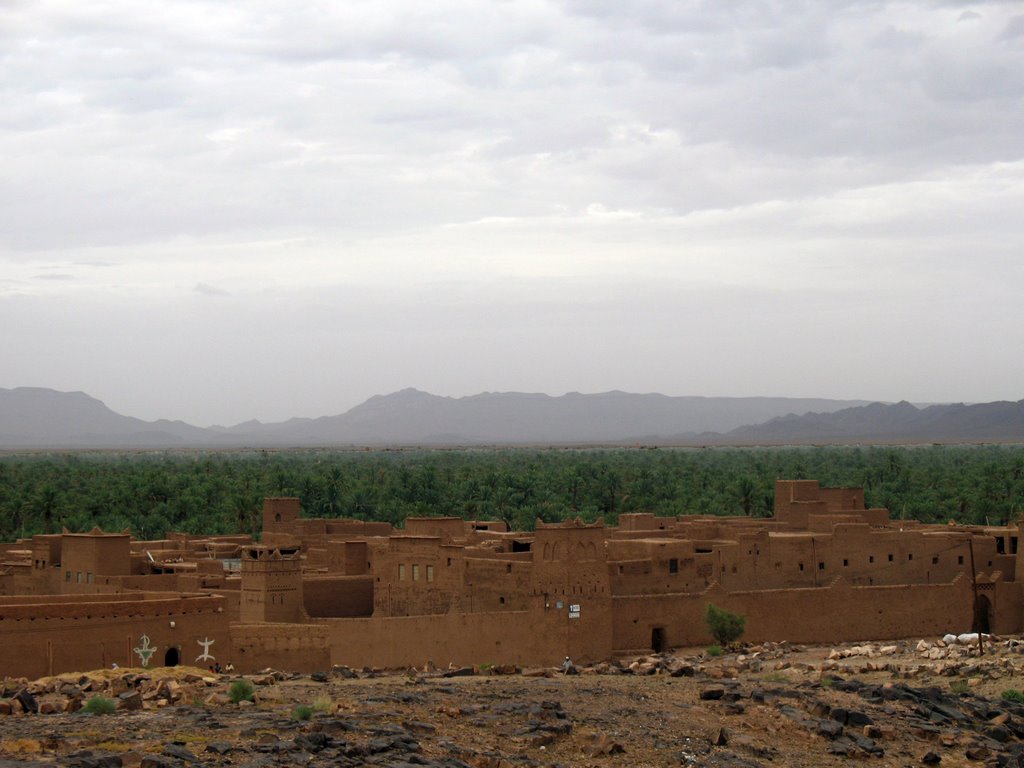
[44, 418]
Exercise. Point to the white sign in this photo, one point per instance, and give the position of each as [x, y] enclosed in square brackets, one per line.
[574, 610]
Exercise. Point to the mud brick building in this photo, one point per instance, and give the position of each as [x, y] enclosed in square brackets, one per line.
[317, 592]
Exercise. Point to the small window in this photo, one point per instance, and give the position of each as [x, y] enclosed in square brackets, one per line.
[910, 555]
[673, 565]
[846, 563]
[415, 572]
[88, 577]
[508, 568]
[890, 558]
[821, 566]
[449, 562]
[871, 558]
[79, 577]
[430, 573]
[401, 572]
[935, 560]
[501, 600]
[801, 566]
[959, 559]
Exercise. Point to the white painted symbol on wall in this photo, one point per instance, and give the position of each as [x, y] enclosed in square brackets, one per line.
[145, 650]
[205, 655]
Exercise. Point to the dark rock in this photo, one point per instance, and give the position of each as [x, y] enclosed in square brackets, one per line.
[27, 701]
[179, 751]
[858, 719]
[712, 694]
[313, 742]
[931, 758]
[159, 761]
[830, 729]
[460, 672]
[86, 759]
[220, 747]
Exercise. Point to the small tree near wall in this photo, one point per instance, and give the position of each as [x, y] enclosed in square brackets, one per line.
[726, 627]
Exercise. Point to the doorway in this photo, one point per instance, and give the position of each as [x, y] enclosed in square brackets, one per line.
[982, 615]
[658, 639]
[171, 657]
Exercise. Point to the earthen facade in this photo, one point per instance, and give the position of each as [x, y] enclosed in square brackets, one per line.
[317, 592]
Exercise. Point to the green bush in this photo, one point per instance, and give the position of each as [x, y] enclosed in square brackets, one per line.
[959, 686]
[241, 690]
[724, 626]
[715, 650]
[100, 705]
[1013, 694]
[302, 712]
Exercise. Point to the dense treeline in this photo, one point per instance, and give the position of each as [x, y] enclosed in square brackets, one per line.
[221, 492]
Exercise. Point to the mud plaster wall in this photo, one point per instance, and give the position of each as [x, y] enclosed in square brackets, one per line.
[338, 596]
[46, 646]
[536, 636]
[827, 614]
[295, 647]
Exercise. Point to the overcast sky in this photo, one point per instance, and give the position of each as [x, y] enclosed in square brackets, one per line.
[218, 211]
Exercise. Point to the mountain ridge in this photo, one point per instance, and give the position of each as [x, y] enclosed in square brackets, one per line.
[36, 417]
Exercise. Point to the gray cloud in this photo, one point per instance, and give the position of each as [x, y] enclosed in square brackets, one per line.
[434, 183]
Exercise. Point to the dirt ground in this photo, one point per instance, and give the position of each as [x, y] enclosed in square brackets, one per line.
[889, 704]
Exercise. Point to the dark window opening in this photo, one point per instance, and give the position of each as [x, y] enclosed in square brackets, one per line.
[1013, 545]
[521, 546]
[890, 558]
[673, 565]
[821, 566]
[846, 563]
[801, 566]
[871, 558]
[935, 560]
[910, 556]
[171, 657]
[959, 559]
[1000, 545]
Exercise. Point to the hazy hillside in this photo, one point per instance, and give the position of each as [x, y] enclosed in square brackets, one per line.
[903, 422]
[412, 416]
[34, 417]
[43, 418]
[37, 417]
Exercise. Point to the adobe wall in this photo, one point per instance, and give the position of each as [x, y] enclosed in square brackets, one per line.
[337, 596]
[61, 636]
[292, 647]
[538, 636]
[446, 529]
[835, 613]
[415, 575]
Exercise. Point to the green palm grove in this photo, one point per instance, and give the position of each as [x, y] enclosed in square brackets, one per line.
[211, 493]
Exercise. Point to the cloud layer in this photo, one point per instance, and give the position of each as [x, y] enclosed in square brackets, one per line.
[216, 212]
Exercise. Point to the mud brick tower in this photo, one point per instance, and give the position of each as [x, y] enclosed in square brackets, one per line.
[271, 585]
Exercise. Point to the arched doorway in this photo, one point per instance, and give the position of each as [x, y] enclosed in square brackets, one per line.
[171, 657]
[658, 639]
[982, 615]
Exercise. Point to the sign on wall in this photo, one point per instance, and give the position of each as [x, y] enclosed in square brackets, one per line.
[574, 610]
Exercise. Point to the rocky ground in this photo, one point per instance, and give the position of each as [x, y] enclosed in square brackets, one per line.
[898, 704]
